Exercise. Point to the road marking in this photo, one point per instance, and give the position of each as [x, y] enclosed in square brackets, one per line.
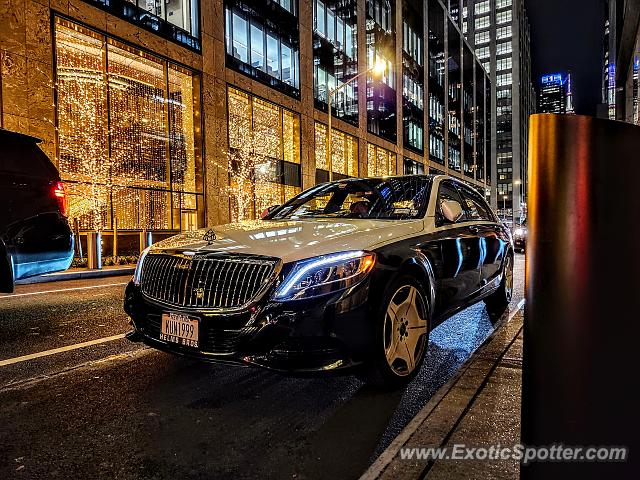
[68, 348]
[14, 295]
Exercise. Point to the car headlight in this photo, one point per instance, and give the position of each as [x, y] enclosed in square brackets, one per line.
[137, 274]
[325, 274]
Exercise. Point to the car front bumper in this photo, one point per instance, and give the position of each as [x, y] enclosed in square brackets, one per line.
[328, 333]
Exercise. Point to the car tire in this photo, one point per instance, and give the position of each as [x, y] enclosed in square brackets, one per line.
[499, 300]
[402, 335]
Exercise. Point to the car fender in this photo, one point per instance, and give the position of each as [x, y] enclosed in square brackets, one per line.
[421, 261]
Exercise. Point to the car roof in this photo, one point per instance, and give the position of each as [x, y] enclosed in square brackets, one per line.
[11, 135]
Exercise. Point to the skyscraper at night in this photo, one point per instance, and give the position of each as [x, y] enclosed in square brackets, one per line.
[621, 60]
[556, 94]
[500, 33]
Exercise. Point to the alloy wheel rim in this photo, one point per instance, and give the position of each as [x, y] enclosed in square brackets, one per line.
[509, 278]
[405, 330]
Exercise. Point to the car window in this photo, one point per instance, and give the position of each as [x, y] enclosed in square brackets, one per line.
[448, 193]
[474, 206]
[25, 158]
[394, 198]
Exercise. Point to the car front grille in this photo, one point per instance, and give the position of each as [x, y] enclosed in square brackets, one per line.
[206, 281]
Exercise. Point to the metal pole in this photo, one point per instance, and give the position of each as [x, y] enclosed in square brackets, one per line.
[582, 282]
[329, 143]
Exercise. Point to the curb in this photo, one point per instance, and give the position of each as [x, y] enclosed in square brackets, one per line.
[385, 459]
[61, 276]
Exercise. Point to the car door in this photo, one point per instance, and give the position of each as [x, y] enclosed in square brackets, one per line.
[492, 235]
[458, 276]
[490, 239]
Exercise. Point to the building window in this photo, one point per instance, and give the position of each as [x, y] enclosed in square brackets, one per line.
[411, 167]
[414, 135]
[504, 32]
[455, 99]
[261, 52]
[381, 92]
[504, 48]
[483, 52]
[264, 154]
[344, 153]
[503, 64]
[503, 17]
[503, 80]
[128, 138]
[503, 3]
[412, 43]
[380, 162]
[483, 37]
[482, 22]
[436, 87]
[175, 19]
[335, 59]
[482, 7]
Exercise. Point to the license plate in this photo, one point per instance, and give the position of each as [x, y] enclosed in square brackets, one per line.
[180, 329]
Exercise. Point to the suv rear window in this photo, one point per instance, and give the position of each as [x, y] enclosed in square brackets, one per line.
[25, 158]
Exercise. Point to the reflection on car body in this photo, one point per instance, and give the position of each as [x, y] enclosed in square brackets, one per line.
[353, 273]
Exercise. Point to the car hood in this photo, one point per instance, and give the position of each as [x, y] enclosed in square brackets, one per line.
[294, 240]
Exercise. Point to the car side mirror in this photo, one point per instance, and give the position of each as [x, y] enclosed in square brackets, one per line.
[451, 210]
[268, 211]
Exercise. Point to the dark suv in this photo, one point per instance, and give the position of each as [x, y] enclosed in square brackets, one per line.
[35, 236]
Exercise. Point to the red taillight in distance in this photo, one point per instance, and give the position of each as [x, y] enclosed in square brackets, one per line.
[61, 197]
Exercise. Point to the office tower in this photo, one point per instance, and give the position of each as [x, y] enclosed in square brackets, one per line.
[500, 34]
[555, 93]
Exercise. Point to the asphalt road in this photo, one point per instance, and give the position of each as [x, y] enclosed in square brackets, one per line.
[114, 409]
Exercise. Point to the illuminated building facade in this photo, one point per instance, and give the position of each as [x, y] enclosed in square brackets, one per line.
[555, 94]
[621, 61]
[500, 34]
[174, 115]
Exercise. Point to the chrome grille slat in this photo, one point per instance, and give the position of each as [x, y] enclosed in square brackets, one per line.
[227, 281]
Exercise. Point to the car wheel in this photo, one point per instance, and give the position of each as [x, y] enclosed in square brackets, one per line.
[499, 300]
[402, 336]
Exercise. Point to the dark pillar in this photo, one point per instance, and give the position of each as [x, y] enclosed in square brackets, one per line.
[581, 344]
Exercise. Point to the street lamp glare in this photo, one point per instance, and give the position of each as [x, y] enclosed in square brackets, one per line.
[379, 67]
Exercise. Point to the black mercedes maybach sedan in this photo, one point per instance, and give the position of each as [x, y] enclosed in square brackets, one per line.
[349, 274]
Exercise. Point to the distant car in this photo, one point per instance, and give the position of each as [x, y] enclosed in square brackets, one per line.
[353, 273]
[35, 236]
[520, 235]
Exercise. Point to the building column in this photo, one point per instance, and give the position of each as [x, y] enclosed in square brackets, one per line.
[214, 111]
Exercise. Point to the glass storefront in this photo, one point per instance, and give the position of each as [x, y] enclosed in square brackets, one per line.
[380, 161]
[128, 139]
[264, 154]
[344, 153]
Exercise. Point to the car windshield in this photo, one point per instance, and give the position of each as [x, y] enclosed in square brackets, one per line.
[395, 198]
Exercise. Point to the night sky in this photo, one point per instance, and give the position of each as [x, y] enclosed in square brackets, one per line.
[568, 35]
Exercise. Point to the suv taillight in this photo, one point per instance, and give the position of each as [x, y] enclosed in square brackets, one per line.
[61, 197]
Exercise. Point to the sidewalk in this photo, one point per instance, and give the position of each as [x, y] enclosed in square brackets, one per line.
[79, 273]
[480, 406]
